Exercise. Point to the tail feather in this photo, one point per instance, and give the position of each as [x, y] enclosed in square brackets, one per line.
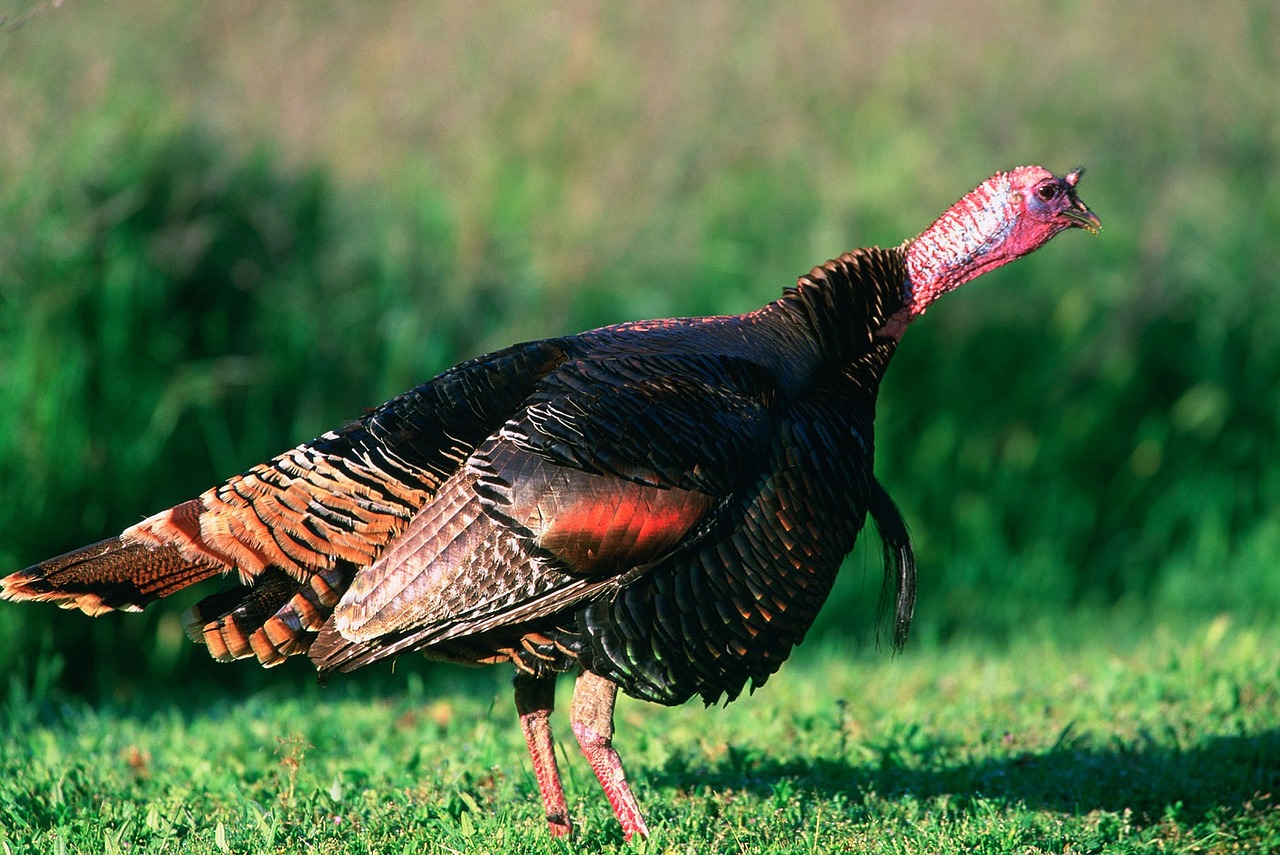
[108, 575]
[275, 618]
[226, 621]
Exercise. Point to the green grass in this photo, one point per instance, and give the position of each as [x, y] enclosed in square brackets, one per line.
[1102, 738]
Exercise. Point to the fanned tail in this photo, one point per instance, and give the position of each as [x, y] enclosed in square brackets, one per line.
[113, 574]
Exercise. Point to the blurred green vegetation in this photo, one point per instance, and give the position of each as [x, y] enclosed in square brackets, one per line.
[225, 228]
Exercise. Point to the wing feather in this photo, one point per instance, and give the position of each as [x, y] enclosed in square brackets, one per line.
[610, 465]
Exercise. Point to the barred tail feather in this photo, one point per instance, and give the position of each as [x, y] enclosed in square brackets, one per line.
[112, 574]
[276, 618]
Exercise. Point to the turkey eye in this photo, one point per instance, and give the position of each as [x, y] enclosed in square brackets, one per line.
[1047, 192]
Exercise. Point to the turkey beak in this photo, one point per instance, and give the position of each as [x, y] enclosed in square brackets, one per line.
[1080, 217]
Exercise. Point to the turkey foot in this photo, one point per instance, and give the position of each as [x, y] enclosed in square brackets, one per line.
[592, 720]
[535, 698]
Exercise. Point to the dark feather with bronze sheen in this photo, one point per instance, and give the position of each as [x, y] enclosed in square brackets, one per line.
[661, 505]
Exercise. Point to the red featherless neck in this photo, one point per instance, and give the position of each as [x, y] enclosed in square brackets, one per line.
[965, 242]
[1005, 217]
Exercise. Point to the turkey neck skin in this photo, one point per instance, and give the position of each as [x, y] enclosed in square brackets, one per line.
[728, 607]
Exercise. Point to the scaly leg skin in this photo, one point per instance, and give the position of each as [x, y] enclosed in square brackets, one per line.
[534, 699]
[592, 719]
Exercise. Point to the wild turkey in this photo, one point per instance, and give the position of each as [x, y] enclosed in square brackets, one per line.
[661, 505]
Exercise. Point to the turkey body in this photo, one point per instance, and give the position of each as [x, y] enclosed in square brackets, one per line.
[665, 504]
[662, 506]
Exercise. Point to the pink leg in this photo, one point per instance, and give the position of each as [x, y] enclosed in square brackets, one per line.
[534, 699]
[592, 720]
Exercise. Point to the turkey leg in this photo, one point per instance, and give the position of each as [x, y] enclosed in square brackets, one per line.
[535, 697]
[592, 720]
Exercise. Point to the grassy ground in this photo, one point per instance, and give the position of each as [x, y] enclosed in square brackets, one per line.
[1099, 739]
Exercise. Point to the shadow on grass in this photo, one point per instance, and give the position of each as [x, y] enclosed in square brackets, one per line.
[1155, 781]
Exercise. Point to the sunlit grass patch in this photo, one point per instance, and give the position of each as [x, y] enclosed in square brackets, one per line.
[1164, 741]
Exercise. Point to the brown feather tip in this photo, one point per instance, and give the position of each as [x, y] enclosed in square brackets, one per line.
[31, 586]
